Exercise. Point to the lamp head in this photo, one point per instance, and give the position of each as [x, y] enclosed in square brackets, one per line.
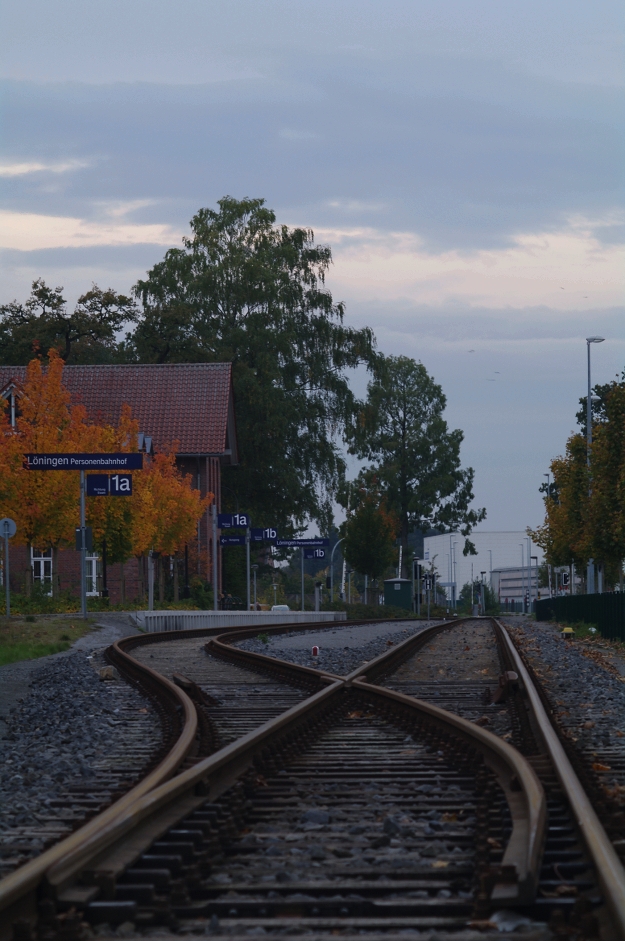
[595, 339]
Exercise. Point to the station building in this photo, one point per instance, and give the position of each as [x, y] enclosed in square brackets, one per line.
[189, 404]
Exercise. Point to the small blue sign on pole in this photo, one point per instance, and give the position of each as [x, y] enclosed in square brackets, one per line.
[109, 485]
[314, 553]
[97, 485]
[233, 520]
[264, 535]
[232, 540]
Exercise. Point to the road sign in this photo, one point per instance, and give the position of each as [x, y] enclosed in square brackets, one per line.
[120, 485]
[98, 485]
[7, 528]
[298, 543]
[232, 540]
[233, 521]
[314, 553]
[123, 461]
[263, 535]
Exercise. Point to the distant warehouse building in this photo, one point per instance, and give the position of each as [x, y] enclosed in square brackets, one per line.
[503, 557]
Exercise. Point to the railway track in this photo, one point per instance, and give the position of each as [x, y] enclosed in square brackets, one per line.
[358, 809]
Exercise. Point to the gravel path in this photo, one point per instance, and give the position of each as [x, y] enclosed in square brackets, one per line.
[72, 742]
[341, 649]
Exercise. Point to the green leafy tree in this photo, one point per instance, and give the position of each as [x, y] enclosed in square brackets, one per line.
[415, 457]
[87, 335]
[370, 533]
[247, 291]
[471, 594]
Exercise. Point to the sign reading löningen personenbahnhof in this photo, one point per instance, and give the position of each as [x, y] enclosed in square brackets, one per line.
[122, 461]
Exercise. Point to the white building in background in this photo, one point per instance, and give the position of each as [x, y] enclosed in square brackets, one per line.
[495, 551]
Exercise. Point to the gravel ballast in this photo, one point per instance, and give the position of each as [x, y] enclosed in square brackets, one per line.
[72, 743]
[586, 693]
[341, 649]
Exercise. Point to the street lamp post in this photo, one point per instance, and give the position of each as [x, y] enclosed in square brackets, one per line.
[254, 570]
[548, 476]
[529, 573]
[590, 572]
[332, 569]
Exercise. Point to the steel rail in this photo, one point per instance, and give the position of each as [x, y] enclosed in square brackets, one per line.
[19, 884]
[28, 876]
[516, 777]
[128, 819]
[216, 773]
[609, 868]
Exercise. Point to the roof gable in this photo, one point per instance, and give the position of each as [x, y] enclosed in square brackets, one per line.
[191, 403]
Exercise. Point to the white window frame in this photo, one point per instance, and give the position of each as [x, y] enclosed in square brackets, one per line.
[91, 562]
[40, 559]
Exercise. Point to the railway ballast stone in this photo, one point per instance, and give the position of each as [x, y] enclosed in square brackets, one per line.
[368, 641]
[57, 738]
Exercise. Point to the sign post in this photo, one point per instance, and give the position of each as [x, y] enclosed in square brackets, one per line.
[302, 557]
[118, 485]
[83, 548]
[215, 598]
[247, 563]
[8, 530]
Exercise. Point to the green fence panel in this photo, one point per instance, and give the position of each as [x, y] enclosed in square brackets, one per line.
[606, 611]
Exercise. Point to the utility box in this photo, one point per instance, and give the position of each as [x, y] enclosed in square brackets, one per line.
[398, 592]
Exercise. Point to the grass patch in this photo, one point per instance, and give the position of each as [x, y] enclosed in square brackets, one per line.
[27, 638]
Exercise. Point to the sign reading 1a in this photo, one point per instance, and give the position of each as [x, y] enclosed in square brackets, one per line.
[109, 485]
[233, 520]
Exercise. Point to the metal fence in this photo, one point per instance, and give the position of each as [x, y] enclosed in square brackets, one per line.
[606, 612]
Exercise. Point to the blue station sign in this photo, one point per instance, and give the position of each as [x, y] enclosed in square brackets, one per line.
[129, 460]
[109, 485]
[232, 540]
[314, 553]
[233, 520]
[269, 534]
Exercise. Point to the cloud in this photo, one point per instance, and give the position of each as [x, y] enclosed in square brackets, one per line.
[564, 269]
[26, 167]
[26, 231]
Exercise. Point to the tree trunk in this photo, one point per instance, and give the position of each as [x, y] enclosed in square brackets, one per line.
[176, 585]
[122, 583]
[161, 580]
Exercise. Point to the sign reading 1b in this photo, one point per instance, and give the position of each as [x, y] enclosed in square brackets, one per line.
[113, 485]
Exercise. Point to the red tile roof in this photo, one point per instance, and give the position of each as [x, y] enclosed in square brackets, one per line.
[186, 402]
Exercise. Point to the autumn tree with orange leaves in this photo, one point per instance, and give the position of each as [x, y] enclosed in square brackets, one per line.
[161, 515]
[585, 509]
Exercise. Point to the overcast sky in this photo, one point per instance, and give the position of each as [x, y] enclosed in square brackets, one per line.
[463, 158]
